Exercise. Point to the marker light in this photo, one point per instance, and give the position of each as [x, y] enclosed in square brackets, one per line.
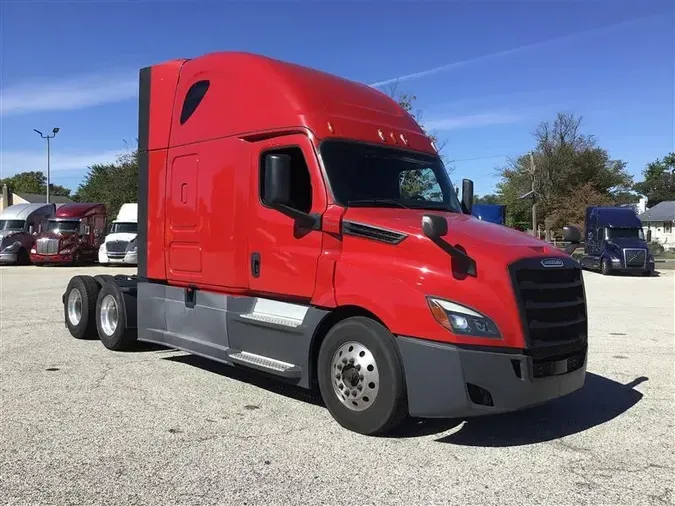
[462, 320]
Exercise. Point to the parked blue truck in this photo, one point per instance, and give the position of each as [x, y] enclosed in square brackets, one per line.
[494, 213]
[615, 242]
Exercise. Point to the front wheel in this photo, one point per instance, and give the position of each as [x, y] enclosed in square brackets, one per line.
[361, 377]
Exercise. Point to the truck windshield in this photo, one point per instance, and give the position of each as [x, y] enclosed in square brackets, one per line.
[625, 233]
[11, 224]
[63, 226]
[123, 228]
[368, 176]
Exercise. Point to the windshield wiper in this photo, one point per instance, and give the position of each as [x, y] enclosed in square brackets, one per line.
[376, 201]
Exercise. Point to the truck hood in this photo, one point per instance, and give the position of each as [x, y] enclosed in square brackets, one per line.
[477, 237]
[120, 236]
[7, 233]
[626, 242]
[374, 270]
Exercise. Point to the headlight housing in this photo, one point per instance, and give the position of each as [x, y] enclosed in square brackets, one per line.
[462, 320]
[133, 246]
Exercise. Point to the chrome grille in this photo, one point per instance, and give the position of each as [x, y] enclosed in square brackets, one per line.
[634, 257]
[47, 246]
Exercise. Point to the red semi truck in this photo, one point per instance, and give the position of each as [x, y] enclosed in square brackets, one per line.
[303, 225]
[71, 236]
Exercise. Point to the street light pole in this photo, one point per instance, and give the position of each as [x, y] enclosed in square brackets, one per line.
[48, 137]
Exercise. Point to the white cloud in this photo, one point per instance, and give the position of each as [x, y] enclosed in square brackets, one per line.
[77, 92]
[470, 120]
[507, 52]
[12, 162]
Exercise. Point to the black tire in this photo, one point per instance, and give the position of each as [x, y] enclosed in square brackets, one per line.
[123, 337]
[88, 290]
[606, 266]
[389, 408]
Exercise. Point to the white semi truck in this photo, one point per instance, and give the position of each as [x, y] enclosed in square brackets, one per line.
[120, 245]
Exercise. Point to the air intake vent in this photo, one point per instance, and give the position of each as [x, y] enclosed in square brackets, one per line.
[371, 232]
[552, 302]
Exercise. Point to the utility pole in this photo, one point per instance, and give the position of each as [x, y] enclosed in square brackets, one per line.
[534, 197]
[54, 132]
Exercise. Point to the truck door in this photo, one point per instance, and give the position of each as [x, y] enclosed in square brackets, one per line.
[284, 256]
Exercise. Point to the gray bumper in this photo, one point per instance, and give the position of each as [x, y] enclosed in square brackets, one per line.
[9, 258]
[445, 381]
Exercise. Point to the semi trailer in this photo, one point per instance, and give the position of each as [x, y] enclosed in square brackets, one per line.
[71, 236]
[19, 225]
[279, 230]
[615, 242]
[120, 245]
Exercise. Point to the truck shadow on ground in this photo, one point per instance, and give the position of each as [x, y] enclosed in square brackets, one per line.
[599, 401]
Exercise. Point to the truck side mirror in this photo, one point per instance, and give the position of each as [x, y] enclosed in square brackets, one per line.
[467, 195]
[434, 225]
[277, 189]
[572, 235]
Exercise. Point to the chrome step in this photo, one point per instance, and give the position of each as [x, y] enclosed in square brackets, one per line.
[273, 319]
[265, 363]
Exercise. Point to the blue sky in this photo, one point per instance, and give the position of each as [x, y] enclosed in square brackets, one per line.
[485, 73]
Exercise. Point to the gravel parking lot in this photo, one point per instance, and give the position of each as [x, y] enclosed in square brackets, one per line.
[83, 425]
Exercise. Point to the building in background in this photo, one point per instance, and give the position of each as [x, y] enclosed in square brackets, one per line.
[8, 198]
[658, 222]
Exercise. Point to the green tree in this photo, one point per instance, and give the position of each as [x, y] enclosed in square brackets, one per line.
[491, 199]
[659, 180]
[570, 173]
[113, 184]
[33, 182]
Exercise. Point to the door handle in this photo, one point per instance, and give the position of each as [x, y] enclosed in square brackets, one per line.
[183, 193]
[255, 264]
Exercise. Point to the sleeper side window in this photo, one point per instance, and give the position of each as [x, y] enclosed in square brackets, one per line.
[301, 183]
[193, 98]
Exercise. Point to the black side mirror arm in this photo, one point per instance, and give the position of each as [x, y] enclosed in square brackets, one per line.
[311, 221]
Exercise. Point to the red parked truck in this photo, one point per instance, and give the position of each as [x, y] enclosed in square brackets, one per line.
[72, 235]
[303, 225]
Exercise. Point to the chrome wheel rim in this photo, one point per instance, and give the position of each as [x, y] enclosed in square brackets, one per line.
[74, 306]
[355, 376]
[109, 315]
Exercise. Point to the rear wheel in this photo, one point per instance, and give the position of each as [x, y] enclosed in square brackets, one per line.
[361, 377]
[79, 307]
[111, 318]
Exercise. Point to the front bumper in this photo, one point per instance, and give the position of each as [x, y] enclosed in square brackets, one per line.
[130, 258]
[9, 258]
[446, 381]
[51, 259]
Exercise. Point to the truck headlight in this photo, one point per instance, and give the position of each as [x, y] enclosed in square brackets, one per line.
[102, 248]
[133, 246]
[462, 320]
[64, 251]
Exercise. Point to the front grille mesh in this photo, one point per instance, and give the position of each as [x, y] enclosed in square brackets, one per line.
[635, 257]
[116, 249]
[552, 302]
